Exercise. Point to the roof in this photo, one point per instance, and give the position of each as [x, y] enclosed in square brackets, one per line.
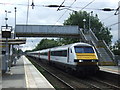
[64, 47]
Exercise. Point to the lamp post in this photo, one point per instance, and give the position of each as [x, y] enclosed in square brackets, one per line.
[7, 46]
[90, 14]
[84, 20]
[15, 23]
[6, 18]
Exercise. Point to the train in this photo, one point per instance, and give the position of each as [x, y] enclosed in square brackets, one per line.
[77, 57]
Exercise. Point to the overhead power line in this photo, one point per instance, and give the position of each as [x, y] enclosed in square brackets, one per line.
[87, 4]
[113, 24]
[65, 12]
[54, 6]
[33, 5]
[117, 11]
[107, 17]
[23, 4]
[60, 5]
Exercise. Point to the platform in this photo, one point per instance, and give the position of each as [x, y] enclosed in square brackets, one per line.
[34, 79]
[24, 75]
[15, 78]
[111, 69]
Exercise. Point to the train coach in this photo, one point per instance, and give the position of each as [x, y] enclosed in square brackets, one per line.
[79, 57]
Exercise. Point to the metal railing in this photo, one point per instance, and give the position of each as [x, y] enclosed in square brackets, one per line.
[95, 42]
[82, 35]
[110, 53]
[98, 53]
[93, 35]
[102, 43]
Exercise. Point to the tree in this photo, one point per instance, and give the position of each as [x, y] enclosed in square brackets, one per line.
[65, 41]
[101, 32]
[116, 48]
[46, 43]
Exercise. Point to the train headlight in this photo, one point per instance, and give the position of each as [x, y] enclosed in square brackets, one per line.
[80, 60]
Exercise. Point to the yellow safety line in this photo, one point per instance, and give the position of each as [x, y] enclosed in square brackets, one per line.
[110, 69]
[44, 78]
[99, 46]
[107, 63]
[26, 79]
[2, 46]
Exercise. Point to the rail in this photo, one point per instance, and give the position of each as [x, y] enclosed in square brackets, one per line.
[68, 85]
[72, 82]
[105, 83]
[98, 82]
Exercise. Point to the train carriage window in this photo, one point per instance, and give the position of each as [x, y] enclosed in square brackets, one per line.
[44, 53]
[84, 49]
[71, 50]
[59, 53]
[64, 53]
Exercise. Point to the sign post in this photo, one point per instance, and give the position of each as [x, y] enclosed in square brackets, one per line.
[6, 33]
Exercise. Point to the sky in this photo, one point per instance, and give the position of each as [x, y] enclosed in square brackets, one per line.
[41, 15]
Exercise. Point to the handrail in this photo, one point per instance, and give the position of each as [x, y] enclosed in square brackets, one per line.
[108, 50]
[104, 44]
[81, 33]
[99, 54]
[93, 35]
[96, 42]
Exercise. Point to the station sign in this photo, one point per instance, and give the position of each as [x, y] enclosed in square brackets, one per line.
[6, 34]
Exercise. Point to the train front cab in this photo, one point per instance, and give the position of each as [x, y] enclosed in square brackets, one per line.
[86, 59]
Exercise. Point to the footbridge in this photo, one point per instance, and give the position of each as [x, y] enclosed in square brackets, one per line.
[47, 31]
[106, 57]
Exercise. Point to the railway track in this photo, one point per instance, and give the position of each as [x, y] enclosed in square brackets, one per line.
[65, 84]
[105, 84]
[72, 82]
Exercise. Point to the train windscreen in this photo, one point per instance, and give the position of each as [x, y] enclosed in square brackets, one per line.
[83, 49]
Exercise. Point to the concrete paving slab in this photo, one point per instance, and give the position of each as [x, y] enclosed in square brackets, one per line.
[34, 79]
[24, 76]
[16, 77]
[111, 69]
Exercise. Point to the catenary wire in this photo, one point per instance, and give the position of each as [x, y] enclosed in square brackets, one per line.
[113, 24]
[107, 18]
[47, 5]
[64, 12]
[60, 5]
[87, 5]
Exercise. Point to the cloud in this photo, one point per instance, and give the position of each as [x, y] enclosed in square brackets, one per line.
[40, 15]
[49, 16]
[31, 43]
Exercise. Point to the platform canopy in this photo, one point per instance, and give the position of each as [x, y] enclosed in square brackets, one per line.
[47, 31]
[13, 41]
